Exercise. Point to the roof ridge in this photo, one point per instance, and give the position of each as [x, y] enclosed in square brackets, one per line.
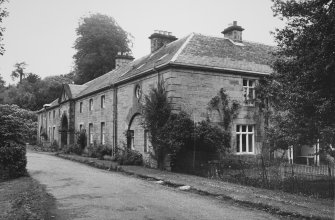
[182, 47]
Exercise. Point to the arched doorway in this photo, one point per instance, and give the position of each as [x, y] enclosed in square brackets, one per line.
[136, 135]
[64, 130]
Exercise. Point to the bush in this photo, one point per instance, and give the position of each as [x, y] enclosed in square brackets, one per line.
[54, 146]
[13, 161]
[128, 157]
[72, 149]
[81, 138]
[98, 151]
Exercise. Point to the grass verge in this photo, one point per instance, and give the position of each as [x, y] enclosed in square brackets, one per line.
[25, 198]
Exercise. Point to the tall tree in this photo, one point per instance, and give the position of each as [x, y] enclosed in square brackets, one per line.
[3, 13]
[18, 72]
[99, 40]
[302, 86]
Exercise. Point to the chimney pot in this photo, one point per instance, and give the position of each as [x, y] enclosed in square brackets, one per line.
[160, 38]
[233, 32]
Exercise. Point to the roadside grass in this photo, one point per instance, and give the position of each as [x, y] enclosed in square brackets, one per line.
[25, 198]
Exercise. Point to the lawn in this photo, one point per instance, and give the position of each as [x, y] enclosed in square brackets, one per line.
[25, 198]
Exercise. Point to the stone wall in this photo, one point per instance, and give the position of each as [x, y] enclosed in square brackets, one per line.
[96, 116]
[191, 91]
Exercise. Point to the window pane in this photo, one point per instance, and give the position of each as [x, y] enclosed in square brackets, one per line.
[237, 128]
[244, 142]
[238, 143]
[251, 93]
[244, 128]
[251, 83]
[250, 128]
[250, 143]
[245, 82]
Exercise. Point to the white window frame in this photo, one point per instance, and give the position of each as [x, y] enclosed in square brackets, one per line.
[103, 100]
[249, 91]
[240, 133]
[103, 132]
[90, 104]
[90, 133]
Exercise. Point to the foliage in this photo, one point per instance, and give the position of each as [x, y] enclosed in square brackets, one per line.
[3, 13]
[33, 92]
[18, 72]
[156, 112]
[81, 138]
[54, 147]
[17, 125]
[302, 87]
[99, 40]
[226, 108]
[212, 139]
[126, 156]
[98, 150]
[13, 160]
[72, 149]
[175, 134]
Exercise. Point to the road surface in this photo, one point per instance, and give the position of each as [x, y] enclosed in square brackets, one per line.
[83, 192]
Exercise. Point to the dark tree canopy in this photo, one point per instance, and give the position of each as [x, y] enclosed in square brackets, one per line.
[19, 72]
[99, 40]
[302, 87]
[3, 13]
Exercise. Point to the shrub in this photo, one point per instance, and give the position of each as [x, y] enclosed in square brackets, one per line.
[98, 151]
[73, 149]
[13, 161]
[54, 146]
[128, 157]
[82, 138]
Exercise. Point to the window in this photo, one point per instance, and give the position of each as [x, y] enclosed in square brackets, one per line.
[53, 133]
[49, 116]
[53, 114]
[90, 133]
[103, 101]
[130, 139]
[80, 127]
[80, 107]
[49, 133]
[91, 104]
[249, 91]
[145, 141]
[245, 139]
[103, 133]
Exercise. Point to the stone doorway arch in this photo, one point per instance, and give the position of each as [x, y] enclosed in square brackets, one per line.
[135, 134]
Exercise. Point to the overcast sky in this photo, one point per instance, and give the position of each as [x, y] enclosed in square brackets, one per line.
[42, 32]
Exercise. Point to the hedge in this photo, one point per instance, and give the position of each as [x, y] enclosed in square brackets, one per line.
[13, 161]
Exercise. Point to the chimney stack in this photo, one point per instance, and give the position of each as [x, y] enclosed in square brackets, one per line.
[122, 59]
[233, 32]
[160, 38]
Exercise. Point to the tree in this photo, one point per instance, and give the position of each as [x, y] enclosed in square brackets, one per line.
[156, 113]
[3, 13]
[302, 88]
[99, 40]
[17, 125]
[18, 72]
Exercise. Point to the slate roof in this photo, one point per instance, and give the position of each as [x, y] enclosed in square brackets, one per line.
[193, 50]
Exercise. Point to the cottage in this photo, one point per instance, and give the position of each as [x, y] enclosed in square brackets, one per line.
[194, 69]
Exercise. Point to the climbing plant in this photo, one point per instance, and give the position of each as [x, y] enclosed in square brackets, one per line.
[227, 110]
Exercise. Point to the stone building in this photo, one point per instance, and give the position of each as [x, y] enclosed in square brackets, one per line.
[194, 69]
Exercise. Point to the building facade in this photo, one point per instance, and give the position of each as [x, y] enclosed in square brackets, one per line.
[194, 69]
